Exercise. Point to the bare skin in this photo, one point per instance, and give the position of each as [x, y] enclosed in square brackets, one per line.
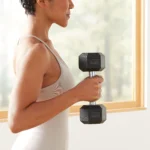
[32, 57]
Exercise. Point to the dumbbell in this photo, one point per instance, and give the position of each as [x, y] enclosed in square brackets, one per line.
[92, 113]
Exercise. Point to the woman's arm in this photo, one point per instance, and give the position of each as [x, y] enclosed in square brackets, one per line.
[40, 112]
[24, 112]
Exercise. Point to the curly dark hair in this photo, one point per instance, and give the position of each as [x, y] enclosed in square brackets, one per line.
[29, 6]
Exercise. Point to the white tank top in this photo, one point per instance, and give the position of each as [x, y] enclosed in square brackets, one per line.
[53, 134]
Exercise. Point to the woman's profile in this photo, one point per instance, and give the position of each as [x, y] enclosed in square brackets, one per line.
[44, 89]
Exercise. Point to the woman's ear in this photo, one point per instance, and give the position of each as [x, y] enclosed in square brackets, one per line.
[42, 3]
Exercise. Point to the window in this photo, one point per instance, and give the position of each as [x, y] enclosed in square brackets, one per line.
[114, 28]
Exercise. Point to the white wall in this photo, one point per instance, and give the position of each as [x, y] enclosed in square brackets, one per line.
[121, 131]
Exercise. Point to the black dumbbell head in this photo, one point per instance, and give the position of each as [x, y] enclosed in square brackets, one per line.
[91, 62]
[93, 114]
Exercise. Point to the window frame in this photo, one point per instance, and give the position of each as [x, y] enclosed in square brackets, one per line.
[138, 104]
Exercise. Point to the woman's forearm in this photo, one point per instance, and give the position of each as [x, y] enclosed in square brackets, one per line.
[40, 112]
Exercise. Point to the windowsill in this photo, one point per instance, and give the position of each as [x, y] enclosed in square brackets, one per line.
[109, 111]
[3, 120]
[117, 110]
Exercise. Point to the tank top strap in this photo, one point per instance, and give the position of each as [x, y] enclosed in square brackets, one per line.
[43, 43]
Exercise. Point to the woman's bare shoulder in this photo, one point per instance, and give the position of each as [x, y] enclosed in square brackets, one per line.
[28, 50]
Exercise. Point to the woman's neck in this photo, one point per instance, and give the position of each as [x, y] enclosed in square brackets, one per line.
[37, 26]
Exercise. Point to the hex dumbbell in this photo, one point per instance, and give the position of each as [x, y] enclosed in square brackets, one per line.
[92, 113]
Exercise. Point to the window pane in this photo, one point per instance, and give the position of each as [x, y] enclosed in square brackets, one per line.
[10, 28]
[101, 26]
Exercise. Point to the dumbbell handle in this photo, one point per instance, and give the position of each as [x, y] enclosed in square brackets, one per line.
[92, 74]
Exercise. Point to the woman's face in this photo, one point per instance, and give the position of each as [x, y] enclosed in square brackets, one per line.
[58, 11]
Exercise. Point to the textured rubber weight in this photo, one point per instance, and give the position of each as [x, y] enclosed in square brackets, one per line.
[93, 114]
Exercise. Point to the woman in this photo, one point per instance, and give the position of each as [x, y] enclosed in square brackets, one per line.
[44, 88]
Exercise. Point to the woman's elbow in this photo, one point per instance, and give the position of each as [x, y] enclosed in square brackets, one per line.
[14, 124]
[13, 129]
